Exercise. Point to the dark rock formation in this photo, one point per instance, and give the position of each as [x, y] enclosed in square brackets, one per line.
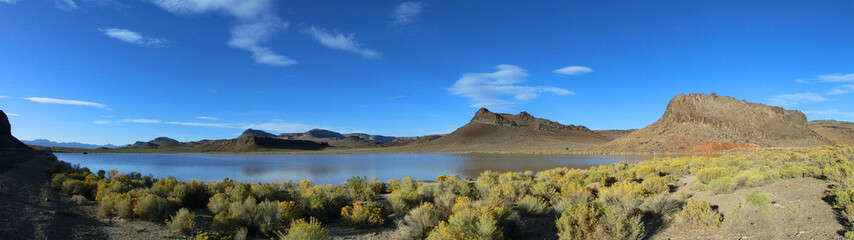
[7, 141]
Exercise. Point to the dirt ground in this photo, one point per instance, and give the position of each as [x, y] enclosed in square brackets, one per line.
[797, 211]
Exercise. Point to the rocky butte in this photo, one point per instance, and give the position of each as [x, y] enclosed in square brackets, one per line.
[701, 122]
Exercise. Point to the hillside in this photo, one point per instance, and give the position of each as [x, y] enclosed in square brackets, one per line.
[700, 122]
[49, 143]
[488, 131]
[9, 143]
[837, 132]
[255, 133]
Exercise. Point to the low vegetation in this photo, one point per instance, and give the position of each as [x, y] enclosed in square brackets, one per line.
[616, 201]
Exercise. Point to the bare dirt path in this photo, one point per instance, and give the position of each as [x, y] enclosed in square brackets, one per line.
[31, 210]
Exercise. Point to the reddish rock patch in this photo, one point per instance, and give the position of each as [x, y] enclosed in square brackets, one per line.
[719, 146]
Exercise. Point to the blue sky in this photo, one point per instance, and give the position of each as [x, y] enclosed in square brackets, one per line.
[109, 71]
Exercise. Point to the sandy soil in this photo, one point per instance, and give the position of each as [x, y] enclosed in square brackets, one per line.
[797, 211]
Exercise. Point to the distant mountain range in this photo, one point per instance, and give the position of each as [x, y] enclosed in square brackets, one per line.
[691, 123]
[49, 143]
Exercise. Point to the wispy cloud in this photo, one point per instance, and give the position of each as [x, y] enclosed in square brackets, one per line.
[845, 89]
[198, 124]
[340, 41]
[4, 96]
[9, 1]
[130, 36]
[836, 77]
[140, 120]
[65, 5]
[13, 114]
[406, 12]
[207, 118]
[795, 98]
[489, 89]
[102, 122]
[829, 112]
[256, 23]
[573, 70]
[67, 102]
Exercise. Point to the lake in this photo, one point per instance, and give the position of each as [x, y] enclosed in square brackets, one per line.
[327, 168]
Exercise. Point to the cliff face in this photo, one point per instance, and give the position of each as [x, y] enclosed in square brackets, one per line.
[7, 141]
[700, 122]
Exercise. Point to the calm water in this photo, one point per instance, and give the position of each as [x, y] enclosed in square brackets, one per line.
[327, 168]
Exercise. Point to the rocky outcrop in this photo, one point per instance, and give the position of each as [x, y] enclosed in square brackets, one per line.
[700, 122]
[7, 141]
[255, 133]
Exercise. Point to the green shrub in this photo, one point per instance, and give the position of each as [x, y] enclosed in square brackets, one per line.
[151, 207]
[722, 185]
[655, 185]
[403, 199]
[756, 199]
[467, 223]
[57, 180]
[699, 213]
[755, 178]
[661, 205]
[212, 236]
[363, 215]
[267, 217]
[302, 230]
[706, 175]
[182, 222]
[418, 223]
[359, 189]
[532, 206]
[580, 221]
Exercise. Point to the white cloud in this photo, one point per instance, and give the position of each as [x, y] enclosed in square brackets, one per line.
[67, 102]
[4, 96]
[829, 112]
[102, 122]
[487, 89]
[795, 98]
[836, 77]
[9, 1]
[65, 5]
[13, 114]
[845, 89]
[133, 37]
[197, 124]
[141, 120]
[340, 41]
[574, 70]
[256, 23]
[406, 12]
[207, 118]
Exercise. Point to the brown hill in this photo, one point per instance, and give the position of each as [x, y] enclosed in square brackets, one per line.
[488, 131]
[836, 131]
[255, 133]
[700, 122]
[614, 133]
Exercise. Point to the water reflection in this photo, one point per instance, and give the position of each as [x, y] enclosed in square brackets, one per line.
[329, 168]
